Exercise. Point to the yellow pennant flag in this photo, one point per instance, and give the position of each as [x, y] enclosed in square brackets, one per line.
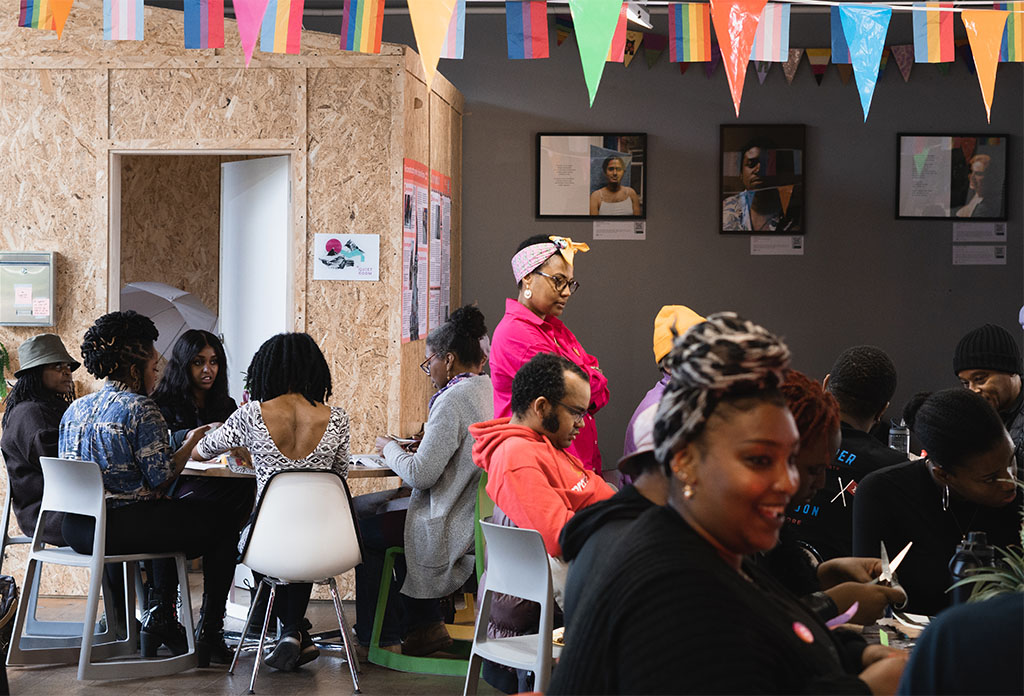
[633, 41]
[430, 20]
[985, 31]
[62, 8]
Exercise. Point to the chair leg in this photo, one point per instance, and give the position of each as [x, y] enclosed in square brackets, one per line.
[91, 607]
[375, 653]
[472, 675]
[263, 637]
[26, 606]
[245, 628]
[349, 653]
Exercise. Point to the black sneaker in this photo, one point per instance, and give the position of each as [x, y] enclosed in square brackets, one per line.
[307, 650]
[285, 655]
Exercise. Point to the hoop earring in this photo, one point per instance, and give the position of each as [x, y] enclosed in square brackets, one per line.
[945, 498]
[527, 293]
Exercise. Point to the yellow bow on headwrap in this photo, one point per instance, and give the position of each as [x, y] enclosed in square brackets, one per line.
[568, 248]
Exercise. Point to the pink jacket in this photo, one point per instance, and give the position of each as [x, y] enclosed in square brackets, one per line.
[519, 336]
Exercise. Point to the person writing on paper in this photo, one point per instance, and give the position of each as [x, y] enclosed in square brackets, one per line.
[193, 391]
[437, 528]
[288, 425]
[965, 484]
[31, 422]
[679, 608]
[120, 428]
[544, 272]
[613, 198]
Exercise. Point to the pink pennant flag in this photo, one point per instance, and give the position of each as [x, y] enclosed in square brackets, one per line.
[736, 23]
[249, 16]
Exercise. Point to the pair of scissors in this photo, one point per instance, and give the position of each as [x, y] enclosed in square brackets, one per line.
[889, 569]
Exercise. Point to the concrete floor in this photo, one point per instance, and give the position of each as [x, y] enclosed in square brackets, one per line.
[328, 674]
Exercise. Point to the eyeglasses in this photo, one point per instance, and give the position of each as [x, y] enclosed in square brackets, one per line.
[561, 282]
[425, 365]
[61, 367]
[577, 413]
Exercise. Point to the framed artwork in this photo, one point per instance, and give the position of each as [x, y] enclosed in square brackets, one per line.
[592, 175]
[761, 186]
[951, 176]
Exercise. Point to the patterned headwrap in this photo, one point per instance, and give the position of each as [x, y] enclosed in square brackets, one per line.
[529, 259]
[723, 355]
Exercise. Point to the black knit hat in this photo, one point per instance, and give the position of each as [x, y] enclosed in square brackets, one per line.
[990, 347]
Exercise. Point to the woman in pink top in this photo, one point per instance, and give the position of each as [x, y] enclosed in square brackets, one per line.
[544, 273]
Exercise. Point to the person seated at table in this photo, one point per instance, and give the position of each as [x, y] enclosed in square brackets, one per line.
[534, 481]
[437, 528]
[121, 429]
[193, 391]
[863, 380]
[829, 587]
[31, 422]
[965, 484]
[586, 537]
[679, 607]
[288, 425]
[972, 648]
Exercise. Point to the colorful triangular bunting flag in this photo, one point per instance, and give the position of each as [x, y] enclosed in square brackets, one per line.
[840, 48]
[1012, 48]
[249, 17]
[654, 46]
[683, 67]
[789, 68]
[865, 28]
[526, 29]
[617, 49]
[204, 23]
[904, 55]
[430, 20]
[735, 25]
[771, 42]
[455, 38]
[689, 32]
[985, 32]
[819, 58]
[61, 9]
[761, 67]
[122, 20]
[845, 72]
[282, 27]
[595, 22]
[933, 33]
[563, 27]
[712, 65]
[633, 41]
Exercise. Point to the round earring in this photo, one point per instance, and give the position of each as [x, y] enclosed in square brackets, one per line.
[527, 293]
[687, 491]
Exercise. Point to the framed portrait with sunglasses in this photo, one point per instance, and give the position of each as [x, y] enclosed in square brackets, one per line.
[592, 175]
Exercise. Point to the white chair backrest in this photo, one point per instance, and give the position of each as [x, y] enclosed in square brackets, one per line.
[304, 529]
[517, 562]
[70, 485]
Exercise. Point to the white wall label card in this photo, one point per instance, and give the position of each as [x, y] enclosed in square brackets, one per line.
[621, 229]
[975, 255]
[979, 232]
[776, 245]
[346, 257]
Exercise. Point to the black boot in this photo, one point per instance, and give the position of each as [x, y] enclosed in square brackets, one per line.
[160, 624]
[210, 645]
[259, 614]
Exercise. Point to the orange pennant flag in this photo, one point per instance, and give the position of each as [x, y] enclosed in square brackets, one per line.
[785, 193]
[430, 20]
[62, 8]
[735, 25]
[985, 30]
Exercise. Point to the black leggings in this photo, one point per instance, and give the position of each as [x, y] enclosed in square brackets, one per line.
[195, 528]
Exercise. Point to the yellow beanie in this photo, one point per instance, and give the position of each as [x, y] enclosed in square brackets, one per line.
[677, 316]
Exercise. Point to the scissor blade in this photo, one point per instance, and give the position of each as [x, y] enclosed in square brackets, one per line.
[899, 558]
[886, 570]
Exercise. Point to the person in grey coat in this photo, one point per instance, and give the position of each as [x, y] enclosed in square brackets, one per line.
[437, 528]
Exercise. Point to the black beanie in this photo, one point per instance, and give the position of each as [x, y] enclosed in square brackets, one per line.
[990, 347]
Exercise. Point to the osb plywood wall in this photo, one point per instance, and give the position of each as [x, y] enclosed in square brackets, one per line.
[66, 106]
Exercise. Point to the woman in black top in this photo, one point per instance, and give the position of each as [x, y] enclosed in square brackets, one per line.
[965, 484]
[33, 410]
[679, 608]
[193, 391]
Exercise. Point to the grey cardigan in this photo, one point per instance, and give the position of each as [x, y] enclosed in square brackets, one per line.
[439, 524]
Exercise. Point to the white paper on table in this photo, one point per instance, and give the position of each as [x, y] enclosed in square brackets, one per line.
[979, 255]
[370, 461]
[979, 232]
[620, 229]
[204, 466]
[776, 245]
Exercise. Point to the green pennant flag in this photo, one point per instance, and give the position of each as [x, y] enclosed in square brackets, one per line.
[594, 22]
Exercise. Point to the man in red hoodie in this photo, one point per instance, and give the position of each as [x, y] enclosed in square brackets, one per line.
[530, 476]
[534, 482]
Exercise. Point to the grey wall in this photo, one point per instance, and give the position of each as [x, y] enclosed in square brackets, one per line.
[865, 277]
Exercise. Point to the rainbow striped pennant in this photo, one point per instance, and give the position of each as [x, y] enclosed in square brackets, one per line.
[361, 24]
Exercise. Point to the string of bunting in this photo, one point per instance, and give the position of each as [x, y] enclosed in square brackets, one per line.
[746, 30]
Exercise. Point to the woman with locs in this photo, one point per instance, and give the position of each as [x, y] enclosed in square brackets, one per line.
[121, 429]
[679, 607]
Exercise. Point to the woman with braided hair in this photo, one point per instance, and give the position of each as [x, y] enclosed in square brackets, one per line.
[288, 425]
[121, 429]
[679, 608]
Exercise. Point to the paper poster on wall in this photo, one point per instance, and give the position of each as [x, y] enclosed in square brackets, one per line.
[415, 192]
[436, 223]
[441, 185]
[346, 257]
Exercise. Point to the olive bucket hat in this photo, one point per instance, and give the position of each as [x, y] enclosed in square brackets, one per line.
[44, 349]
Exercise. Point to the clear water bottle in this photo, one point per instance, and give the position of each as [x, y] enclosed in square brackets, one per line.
[973, 552]
[899, 436]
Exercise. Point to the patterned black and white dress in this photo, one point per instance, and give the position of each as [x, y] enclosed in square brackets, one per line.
[246, 428]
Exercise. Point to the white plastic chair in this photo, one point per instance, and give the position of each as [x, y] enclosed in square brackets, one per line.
[304, 531]
[77, 487]
[517, 565]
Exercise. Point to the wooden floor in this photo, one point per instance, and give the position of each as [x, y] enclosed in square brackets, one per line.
[328, 675]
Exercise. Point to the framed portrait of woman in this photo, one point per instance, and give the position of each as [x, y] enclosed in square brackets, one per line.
[955, 177]
[761, 187]
[592, 175]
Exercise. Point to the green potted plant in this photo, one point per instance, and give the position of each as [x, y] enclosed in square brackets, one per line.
[5, 363]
